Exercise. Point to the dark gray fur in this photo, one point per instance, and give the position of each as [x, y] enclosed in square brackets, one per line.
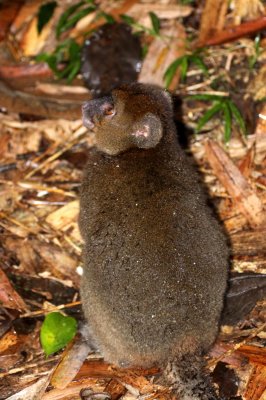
[155, 257]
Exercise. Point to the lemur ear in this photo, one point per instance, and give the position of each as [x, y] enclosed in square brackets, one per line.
[147, 131]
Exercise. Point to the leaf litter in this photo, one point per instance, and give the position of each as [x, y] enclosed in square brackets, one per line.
[40, 173]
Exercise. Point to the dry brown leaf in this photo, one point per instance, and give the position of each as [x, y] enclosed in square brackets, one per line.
[4, 141]
[221, 349]
[246, 9]
[8, 340]
[234, 223]
[249, 243]
[35, 256]
[240, 357]
[33, 42]
[162, 52]
[64, 216]
[237, 149]
[52, 89]
[70, 364]
[163, 11]
[261, 133]
[255, 354]
[8, 13]
[15, 229]
[257, 87]
[213, 18]
[8, 198]
[8, 296]
[260, 143]
[115, 389]
[256, 386]
[73, 390]
[12, 346]
[50, 107]
[33, 392]
[25, 15]
[25, 254]
[135, 378]
[115, 10]
[58, 131]
[21, 138]
[59, 261]
[30, 41]
[237, 186]
[245, 165]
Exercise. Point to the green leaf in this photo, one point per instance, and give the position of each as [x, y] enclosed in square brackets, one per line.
[171, 70]
[199, 62]
[45, 14]
[207, 97]
[253, 59]
[74, 50]
[64, 17]
[138, 28]
[56, 332]
[50, 59]
[238, 117]
[75, 67]
[71, 16]
[184, 68]
[63, 73]
[42, 57]
[67, 52]
[155, 23]
[208, 115]
[144, 50]
[127, 19]
[108, 17]
[70, 71]
[257, 44]
[227, 122]
[52, 62]
[263, 99]
[75, 18]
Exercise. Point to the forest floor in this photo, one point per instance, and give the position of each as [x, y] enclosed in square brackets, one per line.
[221, 117]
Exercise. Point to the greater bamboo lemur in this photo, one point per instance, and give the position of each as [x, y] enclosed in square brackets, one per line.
[155, 257]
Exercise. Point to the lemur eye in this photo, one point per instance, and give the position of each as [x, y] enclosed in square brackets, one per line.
[108, 108]
[109, 111]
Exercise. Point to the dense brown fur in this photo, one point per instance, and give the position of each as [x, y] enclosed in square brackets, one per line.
[155, 257]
